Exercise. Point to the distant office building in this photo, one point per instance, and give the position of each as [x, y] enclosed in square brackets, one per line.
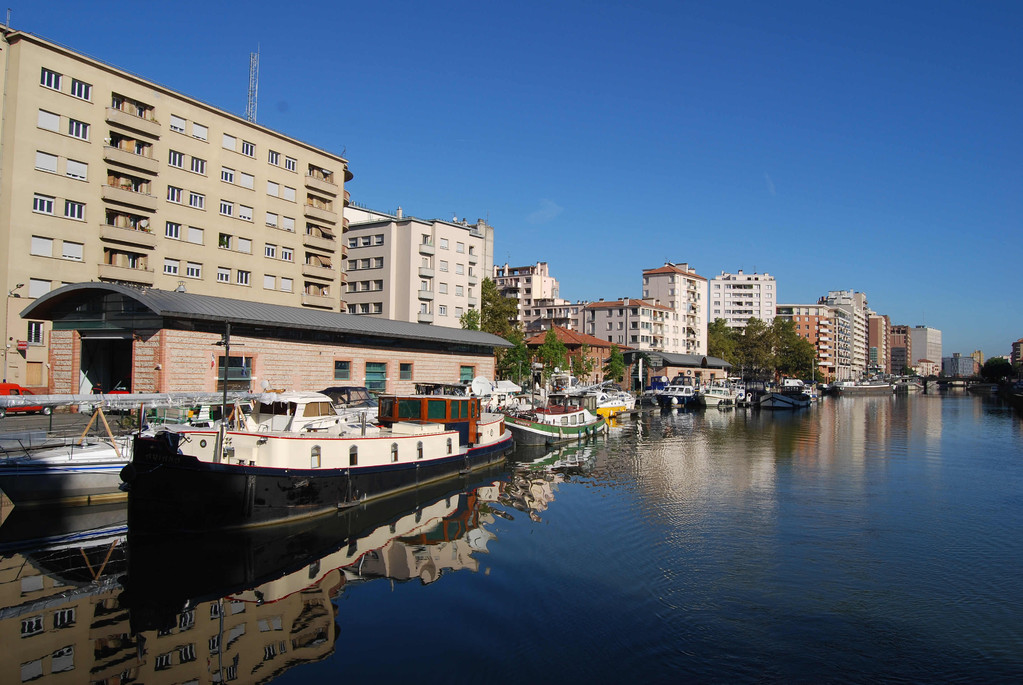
[108, 177]
[540, 304]
[958, 366]
[900, 349]
[978, 356]
[684, 292]
[1016, 356]
[419, 270]
[851, 319]
[926, 344]
[739, 297]
[815, 323]
[637, 324]
[878, 344]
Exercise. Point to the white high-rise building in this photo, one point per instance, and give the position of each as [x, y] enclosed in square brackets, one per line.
[739, 297]
[926, 344]
[851, 326]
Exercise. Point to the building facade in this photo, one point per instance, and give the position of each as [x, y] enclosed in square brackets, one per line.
[579, 345]
[637, 324]
[851, 328]
[540, 304]
[105, 176]
[684, 292]
[926, 345]
[1016, 355]
[417, 270]
[900, 349]
[878, 344]
[958, 366]
[739, 297]
[815, 323]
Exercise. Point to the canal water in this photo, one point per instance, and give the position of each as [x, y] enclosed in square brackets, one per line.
[860, 540]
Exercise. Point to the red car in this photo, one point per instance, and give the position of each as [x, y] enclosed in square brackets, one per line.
[15, 389]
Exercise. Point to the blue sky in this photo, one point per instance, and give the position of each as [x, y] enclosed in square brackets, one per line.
[872, 146]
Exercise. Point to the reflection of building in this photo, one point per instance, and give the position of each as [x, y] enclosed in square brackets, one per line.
[109, 177]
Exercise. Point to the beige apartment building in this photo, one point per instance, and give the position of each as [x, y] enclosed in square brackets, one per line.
[739, 297]
[105, 176]
[851, 315]
[540, 303]
[417, 270]
[685, 293]
[635, 324]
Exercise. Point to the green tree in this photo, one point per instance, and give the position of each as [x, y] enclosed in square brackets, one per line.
[995, 369]
[552, 354]
[470, 320]
[614, 368]
[722, 340]
[754, 350]
[499, 314]
[582, 363]
[794, 356]
[514, 363]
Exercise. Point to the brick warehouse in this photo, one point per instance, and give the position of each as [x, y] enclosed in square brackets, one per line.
[109, 336]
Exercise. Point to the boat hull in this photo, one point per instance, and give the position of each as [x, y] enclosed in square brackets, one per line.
[64, 476]
[672, 401]
[779, 400]
[528, 432]
[173, 491]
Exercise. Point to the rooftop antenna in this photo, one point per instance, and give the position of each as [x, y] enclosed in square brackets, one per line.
[250, 108]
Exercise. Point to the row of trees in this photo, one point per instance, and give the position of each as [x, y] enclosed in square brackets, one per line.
[497, 314]
[763, 350]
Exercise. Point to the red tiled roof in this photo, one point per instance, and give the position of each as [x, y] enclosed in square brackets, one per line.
[572, 339]
[669, 269]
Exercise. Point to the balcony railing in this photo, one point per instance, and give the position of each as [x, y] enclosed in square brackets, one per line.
[315, 271]
[427, 249]
[425, 317]
[321, 301]
[318, 214]
[146, 126]
[425, 295]
[322, 186]
[130, 236]
[310, 240]
[129, 197]
[130, 159]
[109, 272]
[426, 272]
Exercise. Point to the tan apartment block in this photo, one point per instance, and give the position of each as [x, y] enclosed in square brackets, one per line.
[815, 323]
[105, 176]
[417, 270]
[636, 324]
[739, 297]
[684, 292]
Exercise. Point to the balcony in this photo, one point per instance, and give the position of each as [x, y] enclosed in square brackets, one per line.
[130, 159]
[129, 236]
[109, 272]
[348, 198]
[473, 280]
[318, 214]
[320, 301]
[473, 258]
[129, 197]
[130, 121]
[427, 249]
[425, 272]
[474, 302]
[322, 186]
[310, 240]
[425, 317]
[426, 295]
[314, 271]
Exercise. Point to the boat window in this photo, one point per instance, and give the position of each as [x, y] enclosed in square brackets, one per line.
[318, 409]
[394, 451]
[436, 409]
[572, 419]
[419, 450]
[314, 457]
[449, 445]
[409, 409]
[564, 420]
[353, 456]
[463, 409]
[386, 406]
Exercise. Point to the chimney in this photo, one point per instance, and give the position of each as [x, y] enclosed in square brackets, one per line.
[398, 213]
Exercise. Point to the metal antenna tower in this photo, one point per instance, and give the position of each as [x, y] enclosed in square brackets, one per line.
[250, 109]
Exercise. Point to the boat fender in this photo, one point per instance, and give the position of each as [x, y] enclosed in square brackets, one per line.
[128, 473]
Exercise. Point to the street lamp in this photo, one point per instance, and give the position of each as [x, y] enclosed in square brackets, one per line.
[7, 325]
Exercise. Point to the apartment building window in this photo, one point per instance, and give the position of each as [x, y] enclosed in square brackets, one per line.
[443, 288]
[223, 274]
[376, 376]
[38, 287]
[460, 247]
[273, 189]
[226, 174]
[459, 291]
[50, 79]
[270, 251]
[177, 124]
[442, 309]
[287, 254]
[443, 243]
[246, 180]
[195, 235]
[243, 277]
[197, 200]
[245, 245]
[458, 312]
[42, 204]
[172, 230]
[199, 131]
[170, 266]
[286, 285]
[378, 239]
[244, 213]
[74, 210]
[226, 208]
[73, 251]
[81, 89]
[290, 164]
[248, 149]
[41, 247]
[174, 194]
[269, 282]
[460, 269]
[443, 265]
[78, 129]
[229, 142]
[77, 170]
[354, 242]
[199, 166]
[289, 194]
[271, 220]
[48, 120]
[35, 332]
[46, 162]
[175, 159]
[288, 223]
[224, 241]
[274, 158]
[405, 371]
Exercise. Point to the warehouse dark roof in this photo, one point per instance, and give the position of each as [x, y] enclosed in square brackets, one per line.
[167, 303]
[660, 359]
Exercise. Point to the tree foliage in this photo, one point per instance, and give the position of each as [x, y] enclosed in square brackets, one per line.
[721, 340]
[582, 363]
[614, 368]
[552, 354]
[514, 364]
[499, 314]
[761, 350]
[995, 369]
[470, 320]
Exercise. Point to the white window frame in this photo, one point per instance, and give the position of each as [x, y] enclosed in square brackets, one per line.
[290, 163]
[43, 204]
[174, 194]
[48, 78]
[193, 270]
[244, 212]
[223, 274]
[196, 200]
[198, 165]
[46, 162]
[48, 121]
[200, 132]
[226, 208]
[196, 235]
[171, 267]
[226, 174]
[81, 90]
[78, 129]
[74, 210]
[73, 167]
[177, 124]
[243, 277]
[176, 159]
[248, 149]
[172, 230]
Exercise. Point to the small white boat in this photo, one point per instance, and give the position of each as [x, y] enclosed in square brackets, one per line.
[718, 394]
[563, 419]
[792, 395]
[677, 395]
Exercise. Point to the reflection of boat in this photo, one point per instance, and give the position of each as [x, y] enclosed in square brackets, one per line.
[563, 419]
[30, 527]
[564, 458]
[791, 395]
[295, 457]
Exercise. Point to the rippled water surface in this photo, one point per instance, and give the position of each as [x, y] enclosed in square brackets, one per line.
[861, 540]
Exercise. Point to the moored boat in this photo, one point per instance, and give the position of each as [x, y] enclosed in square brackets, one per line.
[718, 394]
[875, 387]
[295, 457]
[677, 395]
[791, 395]
[564, 418]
